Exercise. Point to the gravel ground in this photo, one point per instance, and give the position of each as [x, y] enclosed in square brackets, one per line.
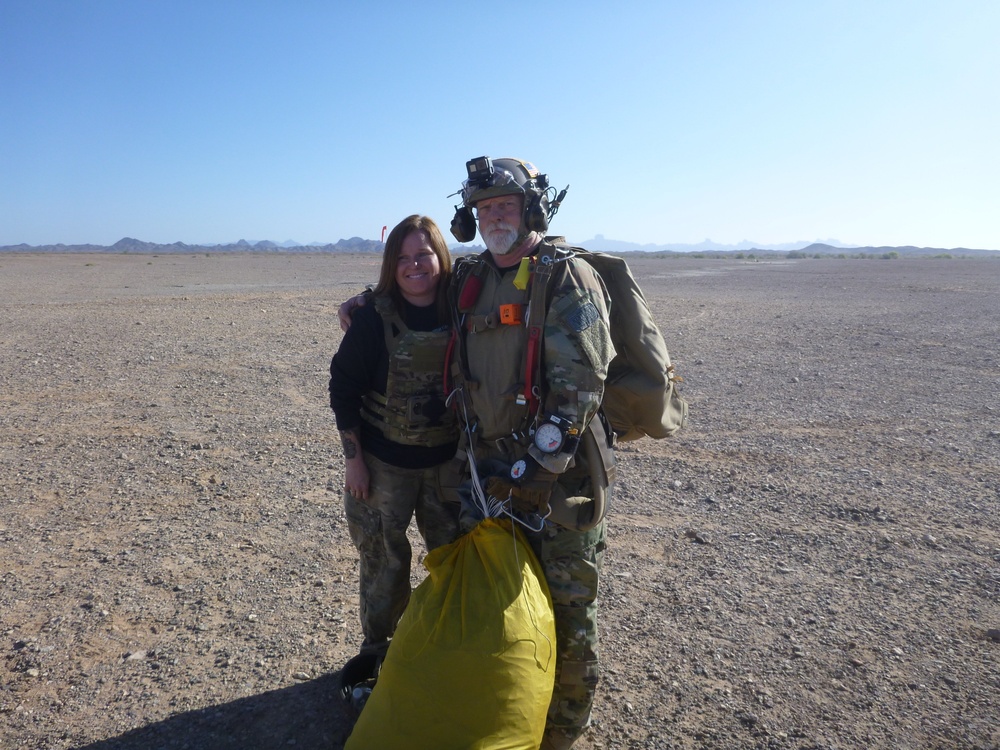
[813, 563]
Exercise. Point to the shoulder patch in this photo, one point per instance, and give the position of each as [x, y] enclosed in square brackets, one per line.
[583, 317]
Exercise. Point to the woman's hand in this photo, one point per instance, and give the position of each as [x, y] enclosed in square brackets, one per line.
[356, 481]
[356, 471]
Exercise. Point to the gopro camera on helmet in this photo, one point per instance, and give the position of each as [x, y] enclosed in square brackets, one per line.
[480, 170]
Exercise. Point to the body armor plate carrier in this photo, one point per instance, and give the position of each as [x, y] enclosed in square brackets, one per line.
[412, 411]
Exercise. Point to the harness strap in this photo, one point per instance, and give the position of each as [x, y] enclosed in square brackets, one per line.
[531, 368]
[462, 293]
[541, 277]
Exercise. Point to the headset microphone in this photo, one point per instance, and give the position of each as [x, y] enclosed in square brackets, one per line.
[557, 202]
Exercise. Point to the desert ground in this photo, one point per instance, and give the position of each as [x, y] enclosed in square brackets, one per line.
[814, 562]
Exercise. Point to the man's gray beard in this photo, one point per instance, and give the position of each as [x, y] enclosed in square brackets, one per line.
[500, 241]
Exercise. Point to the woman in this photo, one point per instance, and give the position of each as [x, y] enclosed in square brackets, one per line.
[386, 391]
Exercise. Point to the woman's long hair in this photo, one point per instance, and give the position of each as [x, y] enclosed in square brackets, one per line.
[390, 260]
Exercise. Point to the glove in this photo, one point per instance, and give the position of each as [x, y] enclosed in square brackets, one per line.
[530, 495]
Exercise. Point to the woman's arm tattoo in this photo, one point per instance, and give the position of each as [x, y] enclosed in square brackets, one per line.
[350, 440]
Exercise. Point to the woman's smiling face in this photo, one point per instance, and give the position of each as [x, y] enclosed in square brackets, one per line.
[418, 269]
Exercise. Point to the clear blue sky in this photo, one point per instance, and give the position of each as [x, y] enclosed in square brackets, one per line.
[873, 122]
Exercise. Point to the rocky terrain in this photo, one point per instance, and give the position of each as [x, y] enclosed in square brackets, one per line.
[813, 563]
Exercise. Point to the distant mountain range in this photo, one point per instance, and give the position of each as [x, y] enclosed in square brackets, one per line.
[824, 247]
[599, 243]
[130, 245]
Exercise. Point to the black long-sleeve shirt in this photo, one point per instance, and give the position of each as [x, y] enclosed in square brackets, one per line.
[360, 365]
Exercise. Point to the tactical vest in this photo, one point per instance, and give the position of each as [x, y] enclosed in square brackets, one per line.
[412, 411]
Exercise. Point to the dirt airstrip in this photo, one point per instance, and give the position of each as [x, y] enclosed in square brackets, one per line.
[813, 563]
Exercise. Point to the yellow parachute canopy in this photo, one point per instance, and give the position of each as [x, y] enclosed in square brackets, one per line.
[472, 663]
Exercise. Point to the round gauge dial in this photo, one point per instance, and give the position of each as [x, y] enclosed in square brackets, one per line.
[548, 438]
[518, 469]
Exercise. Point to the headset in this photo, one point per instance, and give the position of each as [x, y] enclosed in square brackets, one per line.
[488, 178]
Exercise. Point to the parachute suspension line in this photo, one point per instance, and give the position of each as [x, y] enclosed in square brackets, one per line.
[490, 507]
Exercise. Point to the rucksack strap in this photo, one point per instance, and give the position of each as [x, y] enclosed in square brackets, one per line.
[463, 293]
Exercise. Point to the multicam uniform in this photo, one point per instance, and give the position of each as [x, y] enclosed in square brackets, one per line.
[490, 371]
[386, 381]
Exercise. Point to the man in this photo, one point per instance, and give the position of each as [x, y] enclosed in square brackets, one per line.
[529, 384]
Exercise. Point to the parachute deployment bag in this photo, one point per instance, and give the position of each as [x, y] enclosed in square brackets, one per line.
[472, 663]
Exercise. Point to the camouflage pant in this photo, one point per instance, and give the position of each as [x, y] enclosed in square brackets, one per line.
[378, 530]
[572, 564]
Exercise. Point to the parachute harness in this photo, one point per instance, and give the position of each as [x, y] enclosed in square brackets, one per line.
[488, 505]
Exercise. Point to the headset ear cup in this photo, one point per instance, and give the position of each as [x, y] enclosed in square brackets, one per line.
[463, 224]
[536, 217]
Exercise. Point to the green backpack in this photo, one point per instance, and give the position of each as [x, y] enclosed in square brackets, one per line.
[640, 393]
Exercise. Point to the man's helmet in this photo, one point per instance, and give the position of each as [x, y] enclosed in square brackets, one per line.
[489, 178]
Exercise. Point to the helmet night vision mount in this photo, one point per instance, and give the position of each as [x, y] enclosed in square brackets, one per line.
[489, 178]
